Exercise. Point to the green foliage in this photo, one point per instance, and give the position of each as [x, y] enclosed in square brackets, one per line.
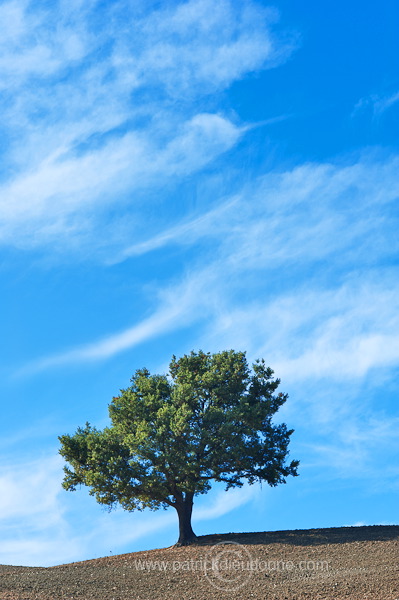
[170, 436]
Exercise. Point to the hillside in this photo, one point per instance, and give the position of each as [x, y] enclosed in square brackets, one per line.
[351, 563]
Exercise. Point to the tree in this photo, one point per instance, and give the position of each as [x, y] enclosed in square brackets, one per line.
[210, 419]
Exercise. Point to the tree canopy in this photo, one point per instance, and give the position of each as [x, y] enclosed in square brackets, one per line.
[209, 419]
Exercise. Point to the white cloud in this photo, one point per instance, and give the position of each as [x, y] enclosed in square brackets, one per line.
[384, 103]
[31, 514]
[203, 138]
[311, 212]
[343, 460]
[81, 138]
[56, 198]
[200, 43]
[32, 503]
[208, 224]
[348, 332]
[340, 333]
[175, 311]
[38, 527]
[320, 217]
[225, 502]
[37, 43]
[42, 525]
[354, 439]
[378, 103]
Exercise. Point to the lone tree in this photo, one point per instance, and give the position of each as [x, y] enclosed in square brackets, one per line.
[210, 419]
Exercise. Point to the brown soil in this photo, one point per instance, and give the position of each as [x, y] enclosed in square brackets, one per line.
[351, 563]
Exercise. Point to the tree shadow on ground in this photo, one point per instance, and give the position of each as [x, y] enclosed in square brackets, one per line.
[307, 537]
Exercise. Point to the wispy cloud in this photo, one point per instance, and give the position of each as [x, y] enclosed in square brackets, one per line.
[110, 124]
[379, 104]
[32, 46]
[198, 44]
[14, 504]
[224, 502]
[176, 309]
[36, 529]
[357, 448]
[206, 225]
[316, 217]
[340, 333]
[29, 516]
[56, 198]
[295, 216]
[35, 519]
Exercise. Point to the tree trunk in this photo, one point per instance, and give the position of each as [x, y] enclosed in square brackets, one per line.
[184, 509]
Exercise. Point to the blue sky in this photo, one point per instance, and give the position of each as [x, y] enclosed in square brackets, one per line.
[186, 175]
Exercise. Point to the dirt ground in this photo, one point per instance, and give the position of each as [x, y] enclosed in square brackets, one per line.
[351, 563]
